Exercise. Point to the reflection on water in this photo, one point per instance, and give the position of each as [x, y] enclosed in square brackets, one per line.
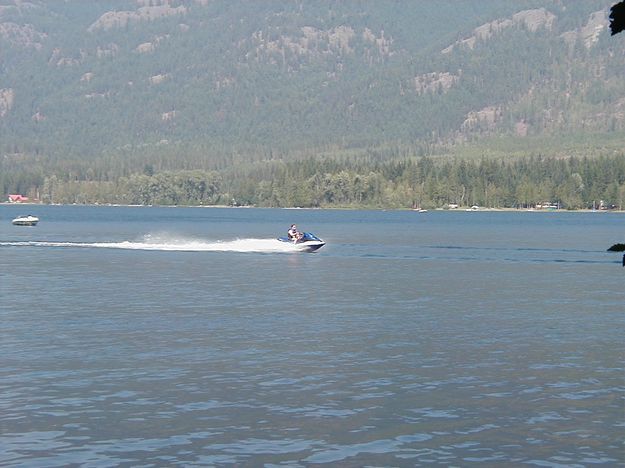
[375, 352]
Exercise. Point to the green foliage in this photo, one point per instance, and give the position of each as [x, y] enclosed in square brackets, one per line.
[290, 76]
[312, 103]
[404, 183]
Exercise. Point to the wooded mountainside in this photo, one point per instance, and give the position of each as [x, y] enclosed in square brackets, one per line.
[125, 100]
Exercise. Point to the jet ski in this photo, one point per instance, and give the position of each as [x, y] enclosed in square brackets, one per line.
[307, 242]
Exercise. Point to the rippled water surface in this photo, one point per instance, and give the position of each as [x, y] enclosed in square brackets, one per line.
[189, 336]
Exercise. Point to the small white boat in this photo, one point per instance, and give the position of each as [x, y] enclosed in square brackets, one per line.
[28, 220]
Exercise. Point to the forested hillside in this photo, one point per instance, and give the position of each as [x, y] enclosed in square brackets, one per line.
[98, 93]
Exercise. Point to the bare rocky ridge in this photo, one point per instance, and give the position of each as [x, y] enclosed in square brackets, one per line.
[7, 97]
[22, 35]
[120, 19]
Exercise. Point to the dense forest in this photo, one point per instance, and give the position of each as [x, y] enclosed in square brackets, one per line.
[312, 103]
[424, 182]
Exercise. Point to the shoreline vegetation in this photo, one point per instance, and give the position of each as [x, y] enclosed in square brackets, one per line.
[338, 208]
[424, 183]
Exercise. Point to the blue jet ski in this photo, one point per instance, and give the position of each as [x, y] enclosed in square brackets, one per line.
[307, 242]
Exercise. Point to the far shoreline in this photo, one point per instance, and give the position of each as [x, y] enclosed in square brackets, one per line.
[460, 209]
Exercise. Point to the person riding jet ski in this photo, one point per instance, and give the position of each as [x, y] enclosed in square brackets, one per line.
[302, 241]
[294, 234]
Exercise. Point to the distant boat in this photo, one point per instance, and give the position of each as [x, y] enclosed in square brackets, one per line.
[28, 220]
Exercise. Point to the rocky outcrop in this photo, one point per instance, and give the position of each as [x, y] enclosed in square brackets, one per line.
[314, 43]
[158, 79]
[168, 116]
[22, 36]
[530, 19]
[145, 48]
[58, 59]
[110, 50]
[589, 33]
[484, 119]
[119, 19]
[533, 20]
[7, 97]
[19, 6]
[434, 82]
[148, 47]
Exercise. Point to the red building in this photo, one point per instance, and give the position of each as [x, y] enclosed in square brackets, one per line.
[17, 199]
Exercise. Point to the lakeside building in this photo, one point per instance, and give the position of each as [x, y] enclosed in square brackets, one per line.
[16, 198]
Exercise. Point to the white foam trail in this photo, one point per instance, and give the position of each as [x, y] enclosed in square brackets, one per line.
[238, 245]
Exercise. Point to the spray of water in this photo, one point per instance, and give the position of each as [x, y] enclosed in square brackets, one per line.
[168, 243]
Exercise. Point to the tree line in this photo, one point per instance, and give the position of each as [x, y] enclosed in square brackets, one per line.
[414, 182]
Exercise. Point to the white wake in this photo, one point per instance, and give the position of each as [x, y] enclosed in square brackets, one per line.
[178, 245]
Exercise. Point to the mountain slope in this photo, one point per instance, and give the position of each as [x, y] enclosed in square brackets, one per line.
[199, 77]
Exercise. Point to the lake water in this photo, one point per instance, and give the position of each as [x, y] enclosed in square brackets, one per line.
[144, 336]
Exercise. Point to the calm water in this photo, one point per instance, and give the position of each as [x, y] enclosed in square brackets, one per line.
[185, 336]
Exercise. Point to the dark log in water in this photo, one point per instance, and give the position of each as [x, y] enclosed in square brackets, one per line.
[617, 248]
